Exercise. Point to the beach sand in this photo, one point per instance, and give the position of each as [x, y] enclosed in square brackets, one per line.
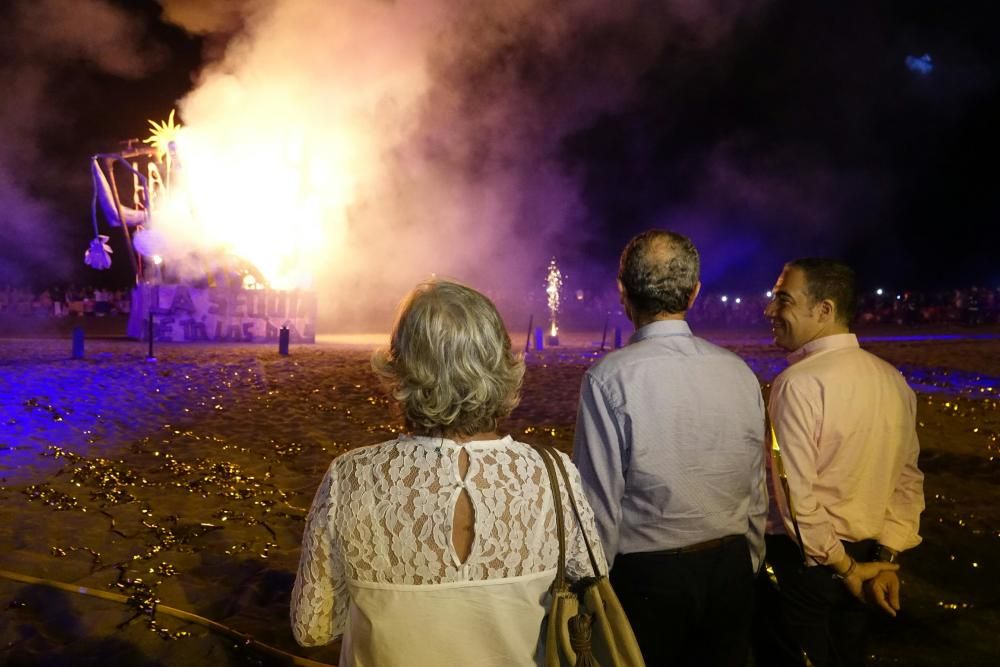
[185, 480]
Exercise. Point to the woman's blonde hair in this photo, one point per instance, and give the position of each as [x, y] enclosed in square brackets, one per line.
[449, 361]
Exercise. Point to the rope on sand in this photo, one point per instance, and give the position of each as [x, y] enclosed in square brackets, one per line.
[245, 639]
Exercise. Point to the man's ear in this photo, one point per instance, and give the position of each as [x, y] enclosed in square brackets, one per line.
[694, 294]
[626, 303]
[827, 311]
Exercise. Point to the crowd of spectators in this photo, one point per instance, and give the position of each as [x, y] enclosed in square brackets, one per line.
[971, 306]
[58, 301]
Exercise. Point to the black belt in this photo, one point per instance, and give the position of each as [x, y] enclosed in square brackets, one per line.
[700, 546]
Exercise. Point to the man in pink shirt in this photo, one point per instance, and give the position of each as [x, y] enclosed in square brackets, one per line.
[845, 426]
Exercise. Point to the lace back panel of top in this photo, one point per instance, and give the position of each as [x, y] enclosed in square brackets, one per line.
[396, 512]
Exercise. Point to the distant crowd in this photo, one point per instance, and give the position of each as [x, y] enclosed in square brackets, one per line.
[971, 306]
[64, 302]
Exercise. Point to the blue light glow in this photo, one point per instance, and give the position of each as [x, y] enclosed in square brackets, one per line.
[89, 406]
[920, 64]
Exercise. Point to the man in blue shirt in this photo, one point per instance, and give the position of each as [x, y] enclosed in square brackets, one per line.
[670, 447]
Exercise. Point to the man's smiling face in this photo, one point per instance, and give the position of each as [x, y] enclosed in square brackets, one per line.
[793, 314]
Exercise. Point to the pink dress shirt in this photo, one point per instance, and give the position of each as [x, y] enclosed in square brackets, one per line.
[845, 421]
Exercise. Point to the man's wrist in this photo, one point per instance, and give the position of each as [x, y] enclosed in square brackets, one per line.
[844, 573]
[886, 554]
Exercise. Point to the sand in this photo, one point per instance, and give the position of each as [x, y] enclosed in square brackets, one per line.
[185, 480]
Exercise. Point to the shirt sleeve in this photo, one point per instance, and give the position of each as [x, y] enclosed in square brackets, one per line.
[319, 597]
[757, 515]
[902, 517]
[598, 452]
[796, 417]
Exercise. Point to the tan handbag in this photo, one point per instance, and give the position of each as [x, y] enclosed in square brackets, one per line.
[586, 626]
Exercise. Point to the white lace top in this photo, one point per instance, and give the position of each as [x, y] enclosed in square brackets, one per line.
[378, 563]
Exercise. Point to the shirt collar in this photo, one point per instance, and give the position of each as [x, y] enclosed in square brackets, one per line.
[437, 442]
[661, 328]
[824, 344]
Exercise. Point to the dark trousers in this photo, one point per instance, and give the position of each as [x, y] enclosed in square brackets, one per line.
[689, 608]
[809, 611]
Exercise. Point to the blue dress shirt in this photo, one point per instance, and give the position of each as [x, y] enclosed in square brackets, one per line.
[670, 444]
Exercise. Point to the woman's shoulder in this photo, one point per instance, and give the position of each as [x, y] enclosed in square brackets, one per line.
[366, 454]
[532, 453]
[534, 450]
[523, 449]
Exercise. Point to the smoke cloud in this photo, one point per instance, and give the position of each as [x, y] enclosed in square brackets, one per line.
[43, 40]
[754, 210]
[381, 142]
[210, 18]
[432, 131]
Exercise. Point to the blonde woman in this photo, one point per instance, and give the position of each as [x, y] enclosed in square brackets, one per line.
[438, 547]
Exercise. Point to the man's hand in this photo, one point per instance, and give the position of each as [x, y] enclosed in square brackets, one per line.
[865, 571]
[883, 590]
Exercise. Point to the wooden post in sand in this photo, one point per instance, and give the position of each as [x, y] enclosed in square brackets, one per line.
[527, 340]
[78, 342]
[149, 333]
[283, 341]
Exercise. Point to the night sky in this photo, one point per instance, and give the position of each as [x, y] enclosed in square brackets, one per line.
[827, 142]
[764, 130]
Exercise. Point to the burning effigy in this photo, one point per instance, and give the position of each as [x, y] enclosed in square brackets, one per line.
[192, 284]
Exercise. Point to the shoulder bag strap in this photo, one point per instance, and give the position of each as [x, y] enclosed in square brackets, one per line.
[560, 525]
[576, 511]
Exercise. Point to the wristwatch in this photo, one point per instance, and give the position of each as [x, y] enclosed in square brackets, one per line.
[886, 555]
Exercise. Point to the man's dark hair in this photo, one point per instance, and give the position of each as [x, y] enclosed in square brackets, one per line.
[659, 271]
[833, 280]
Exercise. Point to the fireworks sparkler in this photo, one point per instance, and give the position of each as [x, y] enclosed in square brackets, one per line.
[553, 286]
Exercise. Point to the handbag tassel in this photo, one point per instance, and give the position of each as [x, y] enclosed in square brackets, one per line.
[580, 628]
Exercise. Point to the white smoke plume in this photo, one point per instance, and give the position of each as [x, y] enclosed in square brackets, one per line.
[427, 133]
[42, 40]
